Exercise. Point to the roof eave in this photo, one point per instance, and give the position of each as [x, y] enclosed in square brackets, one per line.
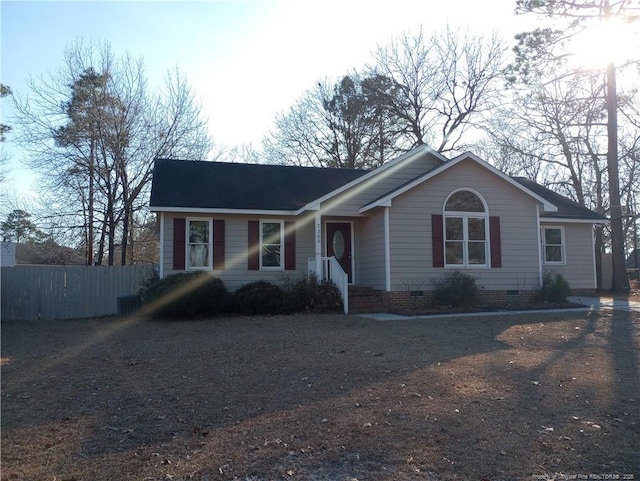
[214, 210]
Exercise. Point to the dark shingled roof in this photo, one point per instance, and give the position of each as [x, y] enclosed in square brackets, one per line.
[567, 209]
[220, 185]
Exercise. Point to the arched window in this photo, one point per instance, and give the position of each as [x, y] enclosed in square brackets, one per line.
[466, 223]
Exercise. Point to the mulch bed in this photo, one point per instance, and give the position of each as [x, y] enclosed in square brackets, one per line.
[331, 397]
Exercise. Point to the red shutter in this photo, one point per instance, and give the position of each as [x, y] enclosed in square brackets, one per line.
[289, 246]
[218, 244]
[179, 243]
[253, 256]
[496, 247]
[437, 240]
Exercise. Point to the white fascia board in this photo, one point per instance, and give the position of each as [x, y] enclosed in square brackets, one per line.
[385, 201]
[200, 210]
[421, 149]
[560, 220]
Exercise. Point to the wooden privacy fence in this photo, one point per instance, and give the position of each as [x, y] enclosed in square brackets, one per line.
[68, 292]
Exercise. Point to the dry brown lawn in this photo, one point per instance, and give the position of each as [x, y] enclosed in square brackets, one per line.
[533, 396]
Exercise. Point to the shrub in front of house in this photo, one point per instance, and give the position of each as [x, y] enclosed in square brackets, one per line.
[312, 295]
[555, 288]
[455, 289]
[199, 294]
[186, 296]
[260, 297]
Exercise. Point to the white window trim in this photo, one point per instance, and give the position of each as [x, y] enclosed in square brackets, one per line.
[282, 249]
[209, 267]
[543, 245]
[465, 216]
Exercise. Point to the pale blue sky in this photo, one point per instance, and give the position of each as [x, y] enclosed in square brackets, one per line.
[246, 61]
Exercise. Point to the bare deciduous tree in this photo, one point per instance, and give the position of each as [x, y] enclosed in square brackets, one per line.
[334, 125]
[93, 128]
[417, 90]
[444, 84]
[548, 48]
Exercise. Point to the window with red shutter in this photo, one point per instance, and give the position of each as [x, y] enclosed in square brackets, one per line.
[496, 242]
[466, 231]
[289, 246]
[179, 243]
[218, 244]
[253, 255]
[437, 240]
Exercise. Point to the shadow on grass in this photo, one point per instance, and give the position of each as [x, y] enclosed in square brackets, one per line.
[263, 396]
[625, 345]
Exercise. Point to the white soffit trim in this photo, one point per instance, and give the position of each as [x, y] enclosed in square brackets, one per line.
[199, 210]
[412, 154]
[386, 200]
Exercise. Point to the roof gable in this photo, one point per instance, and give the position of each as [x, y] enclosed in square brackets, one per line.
[370, 178]
[220, 185]
[385, 200]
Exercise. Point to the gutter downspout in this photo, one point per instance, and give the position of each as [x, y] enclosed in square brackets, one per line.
[593, 250]
[318, 243]
[387, 250]
[539, 245]
[161, 263]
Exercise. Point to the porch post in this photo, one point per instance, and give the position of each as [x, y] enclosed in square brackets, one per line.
[387, 251]
[318, 239]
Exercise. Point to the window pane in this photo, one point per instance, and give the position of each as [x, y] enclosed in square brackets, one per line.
[464, 201]
[454, 252]
[454, 228]
[477, 253]
[271, 233]
[198, 247]
[338, 244]
[199, 232]
[553, 236]
[271, 255]
[199, 255]
[476, 229]
[553, 253]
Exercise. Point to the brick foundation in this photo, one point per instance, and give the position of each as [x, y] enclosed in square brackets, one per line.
[363, 299]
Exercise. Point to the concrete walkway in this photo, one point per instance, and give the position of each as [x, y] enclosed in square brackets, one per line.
[590, 303]
[381, 316]
[606, 303]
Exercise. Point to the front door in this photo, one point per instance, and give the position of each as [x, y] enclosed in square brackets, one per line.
[339, 244]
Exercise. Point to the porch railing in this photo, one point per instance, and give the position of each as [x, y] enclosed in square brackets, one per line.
[333, 271]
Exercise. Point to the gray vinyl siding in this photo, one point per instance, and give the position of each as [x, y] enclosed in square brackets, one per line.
[349, 202]
[236, 273]
[410, 231]
[578, 268]
[370, 266]
[410, 234]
